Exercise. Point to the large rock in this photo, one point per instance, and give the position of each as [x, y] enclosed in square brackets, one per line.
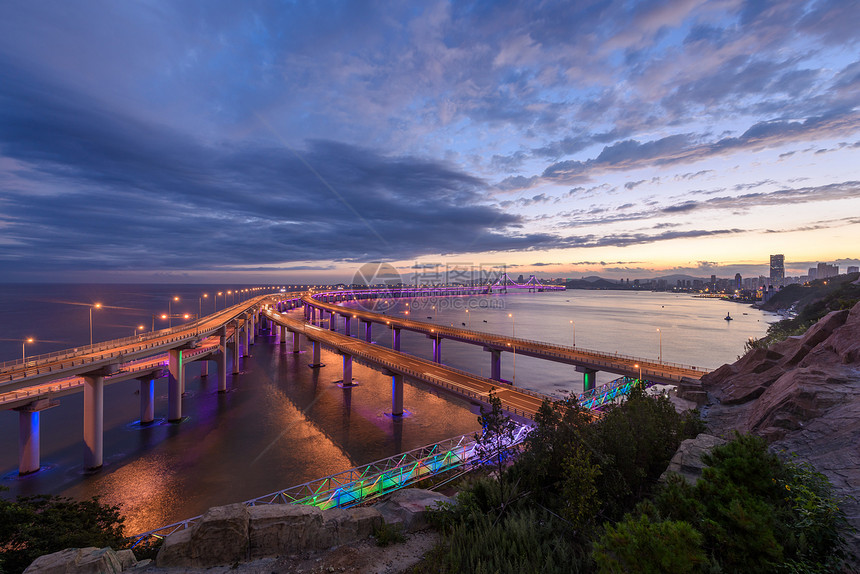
[687, 460]
[409, 508]
[802, 395]
[286, 528]
[220, 537]
[89, 560]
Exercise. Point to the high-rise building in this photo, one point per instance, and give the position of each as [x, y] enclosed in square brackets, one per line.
[777, 270]
[813, 273]
[826, 270]
[739, 283]
[853, 269]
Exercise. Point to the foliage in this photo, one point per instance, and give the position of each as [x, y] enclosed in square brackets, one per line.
[756, 513]
[542, 467]
[37, 525]
[497, 433]
[579, 498]
[813, 301]
[387, 534]
[634, 442]
[526, 541]
[636, 544]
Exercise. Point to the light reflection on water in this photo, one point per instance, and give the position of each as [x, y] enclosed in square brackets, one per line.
[283, 424]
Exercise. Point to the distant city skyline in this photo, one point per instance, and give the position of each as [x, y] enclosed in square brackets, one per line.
[217, 142]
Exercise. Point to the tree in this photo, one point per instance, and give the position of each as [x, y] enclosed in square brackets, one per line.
[497, 434]
[42, 524]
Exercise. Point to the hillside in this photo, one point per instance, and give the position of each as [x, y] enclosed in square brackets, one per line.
[802, 395]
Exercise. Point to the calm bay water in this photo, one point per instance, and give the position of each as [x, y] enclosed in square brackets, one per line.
[282, 423]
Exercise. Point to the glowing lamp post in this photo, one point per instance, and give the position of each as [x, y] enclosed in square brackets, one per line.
[636, 366]
[660, 356]
[23, 349]
[469, 318]
[573, 325]
[170, 310]
[200, 304]
[513, 325]
[138, 328]
[218, 294]
[96, 306]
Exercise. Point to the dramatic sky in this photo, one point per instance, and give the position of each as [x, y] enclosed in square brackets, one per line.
[290, 141]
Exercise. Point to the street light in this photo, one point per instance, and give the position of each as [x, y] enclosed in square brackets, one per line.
[138, 328]
[661, 345]
[230, 293]
[170, 310]
[513, 325]
[23, 352]
[469, 318]
[572, 324]
[200, 304]
[218, 294]
[636, 366]
[96, 306]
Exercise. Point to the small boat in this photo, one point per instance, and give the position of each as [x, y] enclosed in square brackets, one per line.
[485, 320]
[728, 317]
[464, 324]
[429, 317]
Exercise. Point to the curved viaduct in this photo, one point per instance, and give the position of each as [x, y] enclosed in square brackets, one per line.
[35, 385]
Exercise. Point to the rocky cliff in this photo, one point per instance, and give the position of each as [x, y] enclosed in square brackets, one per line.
[801, 395]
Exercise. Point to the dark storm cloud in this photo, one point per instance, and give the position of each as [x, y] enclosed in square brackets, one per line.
[121, 193]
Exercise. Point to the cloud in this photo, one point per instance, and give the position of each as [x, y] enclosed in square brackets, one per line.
[119, 193]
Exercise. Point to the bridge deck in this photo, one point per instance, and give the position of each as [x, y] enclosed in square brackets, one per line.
[656, 371]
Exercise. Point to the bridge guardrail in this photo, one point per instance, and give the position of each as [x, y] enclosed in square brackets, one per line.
[90, 352]
[479, 336]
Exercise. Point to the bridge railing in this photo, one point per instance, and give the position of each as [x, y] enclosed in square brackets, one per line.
[35, 361]
[480, 336]
[352, 486]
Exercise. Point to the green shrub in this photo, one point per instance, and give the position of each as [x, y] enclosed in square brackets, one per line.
[33, 526]
[640, 545]
[525, 542]
[387, 534]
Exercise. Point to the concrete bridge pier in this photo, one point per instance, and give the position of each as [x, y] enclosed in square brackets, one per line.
[588, 378]
[347, 370]
[252, 318]
[316, 363]
[237, 334]
[29, 442]
[204, 368]
[175, 384]
[332, 321]
[347, 325]
[437, 348]
[221, 360]
[312, 315]
[297, 339]
[94, 401]
[283, 335]
[368, 330]
[395, 338]
[246, 336]
[396, 395]
[495, 364]
[147, 399]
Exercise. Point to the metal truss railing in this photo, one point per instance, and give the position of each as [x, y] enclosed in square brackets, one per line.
[363, 483]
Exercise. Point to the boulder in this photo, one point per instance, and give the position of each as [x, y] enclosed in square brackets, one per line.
[89, 560]
[409, 508]
[126, 558]
[286, 528]
[175, 551]
[687, 460]
[802, 395]
[220, 537]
